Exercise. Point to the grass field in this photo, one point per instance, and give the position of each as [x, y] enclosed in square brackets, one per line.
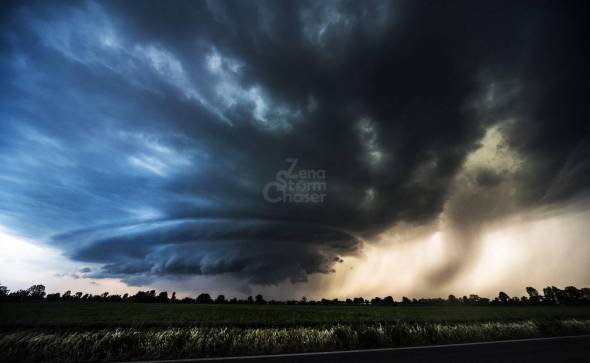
[48, 314]
[84, 332]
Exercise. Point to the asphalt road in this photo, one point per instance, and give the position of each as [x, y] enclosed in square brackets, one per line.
[556, 350]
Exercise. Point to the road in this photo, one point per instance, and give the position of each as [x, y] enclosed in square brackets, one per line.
[556, 350]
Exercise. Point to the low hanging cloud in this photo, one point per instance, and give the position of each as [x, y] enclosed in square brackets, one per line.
[260, 252]
[140, 136]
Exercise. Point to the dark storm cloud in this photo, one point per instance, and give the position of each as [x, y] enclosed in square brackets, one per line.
[140, 135]
[258, 251]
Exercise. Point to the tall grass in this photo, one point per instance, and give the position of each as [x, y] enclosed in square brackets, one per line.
[193, 342]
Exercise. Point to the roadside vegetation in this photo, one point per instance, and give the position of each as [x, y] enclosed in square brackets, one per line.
[122, 344]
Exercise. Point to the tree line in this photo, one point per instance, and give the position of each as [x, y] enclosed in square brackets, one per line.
[552, 295]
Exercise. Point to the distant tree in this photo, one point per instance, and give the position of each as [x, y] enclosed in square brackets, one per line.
[144, 296]
[163, 297]
[503, 297]
[114, 298]
[53, 297]
[204, 299]
[36, 292]
[358, 301]
[19, 295]
[533, 295]
[3, 292]
[376, 301]
[388, 300]
[474, 299]
[549, 295]
[571, 295]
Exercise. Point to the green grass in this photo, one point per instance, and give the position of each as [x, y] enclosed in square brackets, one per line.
[120, 344]
[90, 332]
[48, 314]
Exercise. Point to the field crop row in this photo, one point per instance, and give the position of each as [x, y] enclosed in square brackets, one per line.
[133, 343]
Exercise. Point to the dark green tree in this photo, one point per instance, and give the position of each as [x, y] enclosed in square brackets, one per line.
[3, 291]
[533, 295]
[549, 295]
[204, 299]
[163, 297]
[388, 300]
[36, 292]
[503, 297]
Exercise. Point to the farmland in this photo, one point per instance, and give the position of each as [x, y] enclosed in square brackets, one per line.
[97, 315]
[76, 332]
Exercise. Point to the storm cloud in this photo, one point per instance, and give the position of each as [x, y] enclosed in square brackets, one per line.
[140, 136]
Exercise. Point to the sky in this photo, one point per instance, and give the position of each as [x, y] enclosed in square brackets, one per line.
[317, 148]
